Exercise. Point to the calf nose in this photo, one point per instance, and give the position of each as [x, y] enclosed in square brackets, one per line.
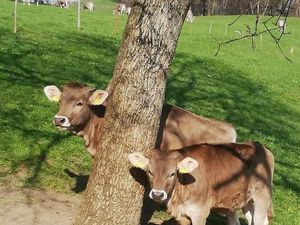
[61, 121]
[158, 195]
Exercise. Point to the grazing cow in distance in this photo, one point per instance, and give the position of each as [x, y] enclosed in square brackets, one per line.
[195, 180]
[281, 25]
[189, 16]
[26, 1]
[82, 110]
[128, 10]
[89, 6]
[62, 3]
[119, 9]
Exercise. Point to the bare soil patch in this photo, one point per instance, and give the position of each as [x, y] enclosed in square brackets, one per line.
[36, 207]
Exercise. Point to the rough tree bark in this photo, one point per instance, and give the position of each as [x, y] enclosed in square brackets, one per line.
[132, 116]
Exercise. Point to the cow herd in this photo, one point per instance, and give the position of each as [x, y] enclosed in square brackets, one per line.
[119, 8]
[89, 6]
[196, 166]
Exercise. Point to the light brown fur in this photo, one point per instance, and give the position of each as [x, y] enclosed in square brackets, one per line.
[228, 177]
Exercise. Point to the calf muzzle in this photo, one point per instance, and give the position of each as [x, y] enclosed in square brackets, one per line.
[61, 121]
[158, 195]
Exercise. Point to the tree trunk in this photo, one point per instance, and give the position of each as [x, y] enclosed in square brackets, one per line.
[132, 115]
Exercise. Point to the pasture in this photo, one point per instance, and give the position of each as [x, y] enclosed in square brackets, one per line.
[256, 90]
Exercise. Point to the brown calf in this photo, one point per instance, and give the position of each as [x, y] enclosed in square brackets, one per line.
[82, 110]
[194, 180]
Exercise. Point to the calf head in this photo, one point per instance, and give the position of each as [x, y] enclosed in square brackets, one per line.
[76, 102]
[162, 168]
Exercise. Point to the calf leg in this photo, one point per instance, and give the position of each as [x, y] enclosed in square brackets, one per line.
[248, 211]
[184, 221]
[262, 203]
[198, 217]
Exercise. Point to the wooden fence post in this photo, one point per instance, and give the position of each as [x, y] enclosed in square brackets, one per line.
[15, 17]
[78, 15]
[210, 27]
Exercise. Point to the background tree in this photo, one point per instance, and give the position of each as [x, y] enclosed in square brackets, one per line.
[133, 111]
[235, 7]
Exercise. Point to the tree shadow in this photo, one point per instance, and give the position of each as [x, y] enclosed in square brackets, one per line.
[211, 88]
[25, 113]
[215, 89]
[36, 64]
[34, 160]
[80, 181]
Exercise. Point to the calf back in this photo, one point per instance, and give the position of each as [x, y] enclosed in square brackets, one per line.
[180, 128]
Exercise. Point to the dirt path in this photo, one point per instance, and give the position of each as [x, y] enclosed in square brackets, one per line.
[36, 207]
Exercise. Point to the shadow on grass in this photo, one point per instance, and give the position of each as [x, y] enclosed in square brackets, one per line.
[29, 64]
[80, 181]
[214, 89]
[57, 59]
[218, 90]
[16, 120]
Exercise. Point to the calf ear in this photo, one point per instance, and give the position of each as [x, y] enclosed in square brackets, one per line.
[98, 97]
[52, 92]
[138, 160]
[187, 165]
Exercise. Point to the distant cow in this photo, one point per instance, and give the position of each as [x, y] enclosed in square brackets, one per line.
[34, 1]
[196, 180]
[62, 3]
[26, 1]
[89, 6]
[281, 25]
[128, 10]
[119, 9]
[82, 110]
[189, 16]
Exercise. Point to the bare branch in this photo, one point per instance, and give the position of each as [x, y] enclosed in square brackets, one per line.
[219, 45]
[252, 34]
[242, 13]
[235, 20]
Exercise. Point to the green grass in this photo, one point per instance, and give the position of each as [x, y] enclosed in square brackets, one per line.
[256, 90]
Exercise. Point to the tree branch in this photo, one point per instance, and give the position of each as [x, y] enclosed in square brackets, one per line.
[252, 34]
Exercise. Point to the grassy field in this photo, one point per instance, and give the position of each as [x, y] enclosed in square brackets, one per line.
[256, 90]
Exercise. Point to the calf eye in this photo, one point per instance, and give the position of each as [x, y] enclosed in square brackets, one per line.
[172, 175]
[79, 104]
